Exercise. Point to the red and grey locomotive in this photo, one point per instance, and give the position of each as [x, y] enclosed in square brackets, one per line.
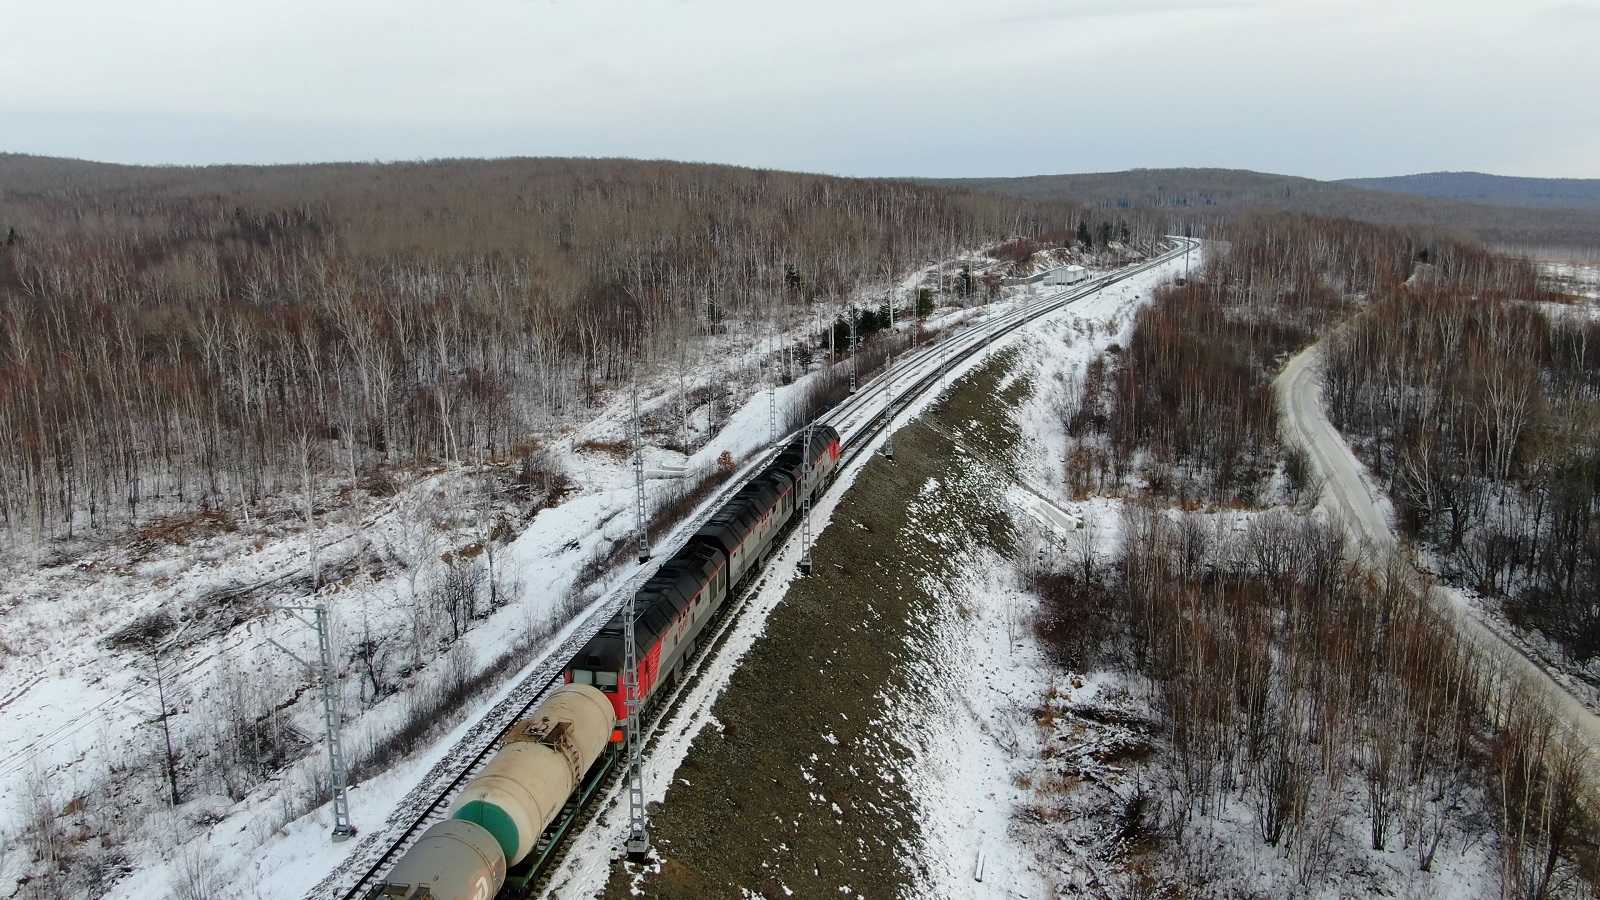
[671, 609]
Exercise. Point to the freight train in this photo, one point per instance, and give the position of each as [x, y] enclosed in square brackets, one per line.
[506, 823]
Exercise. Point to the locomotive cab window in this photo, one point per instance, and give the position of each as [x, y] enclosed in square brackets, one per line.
[605, 681]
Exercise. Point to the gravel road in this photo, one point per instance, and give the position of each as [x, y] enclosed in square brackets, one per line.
[1348, 496]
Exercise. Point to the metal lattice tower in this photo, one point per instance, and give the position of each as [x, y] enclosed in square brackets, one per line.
[640, 522]
[805, 500]
[888, 385]
[852, 349]
[325, 672]
[638, 840]
[638, 843]
[772, 387]
[342, 829]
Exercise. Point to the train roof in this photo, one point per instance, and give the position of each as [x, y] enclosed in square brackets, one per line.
[793, 455]
[669, 591]
[673, 586]
[657, 602]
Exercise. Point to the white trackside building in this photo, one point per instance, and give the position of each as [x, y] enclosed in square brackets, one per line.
[1065, 275]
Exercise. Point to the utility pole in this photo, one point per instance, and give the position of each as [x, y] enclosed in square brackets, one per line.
[772, 392]
[638, 477]
[988, 342]
[638, 844]
[311, 524]
[805, 520]
[161, 697]
[772, 385]
[853, 369]
[166, 732]
[324, 672]
[888, 382]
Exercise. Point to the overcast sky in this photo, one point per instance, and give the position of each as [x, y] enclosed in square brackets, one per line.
[1323, 88]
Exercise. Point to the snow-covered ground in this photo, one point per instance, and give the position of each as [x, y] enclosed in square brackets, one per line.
[1019, 771]
[979, 751]
[83, 723]
[1576, 278]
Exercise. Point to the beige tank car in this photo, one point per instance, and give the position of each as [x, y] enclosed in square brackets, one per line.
[453, 860]
[541, 762]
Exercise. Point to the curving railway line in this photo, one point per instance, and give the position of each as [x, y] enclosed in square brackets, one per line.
[859, 419]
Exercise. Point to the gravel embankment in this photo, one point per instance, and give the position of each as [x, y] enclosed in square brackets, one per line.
[797, 790]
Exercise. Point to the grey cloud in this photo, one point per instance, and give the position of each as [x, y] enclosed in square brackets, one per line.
[1078, 11]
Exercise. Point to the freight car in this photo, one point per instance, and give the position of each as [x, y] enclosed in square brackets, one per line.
[507, 821]
[546, 767]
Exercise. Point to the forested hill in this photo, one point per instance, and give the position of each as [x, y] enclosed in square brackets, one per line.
[1496, 190]
[1205, 194]
[172, 336]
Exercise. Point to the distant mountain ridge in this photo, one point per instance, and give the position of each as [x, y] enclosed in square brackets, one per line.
[1495, 190]
[1199, 194]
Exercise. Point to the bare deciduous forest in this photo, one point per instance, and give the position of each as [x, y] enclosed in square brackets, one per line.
[1297, 684]
[181, 340]
[1310, 695]
[1481, 413]
[1193, 388]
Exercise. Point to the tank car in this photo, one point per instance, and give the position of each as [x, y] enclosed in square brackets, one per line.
[504, 816]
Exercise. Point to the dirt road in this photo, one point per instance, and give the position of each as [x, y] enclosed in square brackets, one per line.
[1347, 495]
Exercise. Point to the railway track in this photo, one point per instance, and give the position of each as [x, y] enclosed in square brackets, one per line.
[859, 419]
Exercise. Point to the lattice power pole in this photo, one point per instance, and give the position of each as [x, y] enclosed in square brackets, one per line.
[805, 518]
[640, 523]
[852, 350]
[888, 384]
[772, 387]
[342, 829]
[638, 843]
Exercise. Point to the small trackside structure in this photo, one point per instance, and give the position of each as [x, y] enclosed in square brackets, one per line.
[1065, 275]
